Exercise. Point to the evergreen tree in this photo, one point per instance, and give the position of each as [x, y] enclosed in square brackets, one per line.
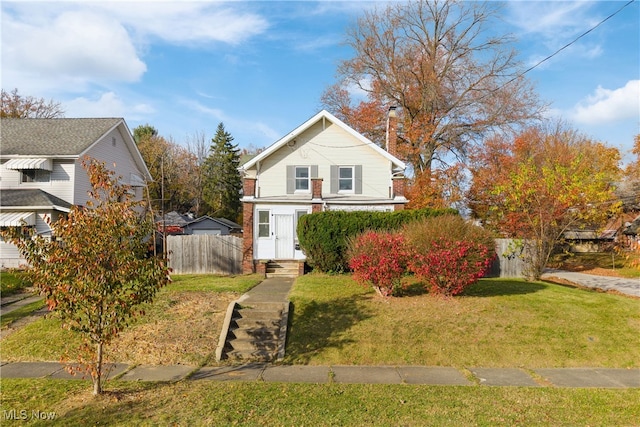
[221, 179]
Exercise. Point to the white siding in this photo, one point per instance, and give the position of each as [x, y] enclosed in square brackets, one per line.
[59, 185]
[112, 150]
[10, 256]
[331, 146]
[9, 178]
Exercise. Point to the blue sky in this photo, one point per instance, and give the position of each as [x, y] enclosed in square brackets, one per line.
[260, 67]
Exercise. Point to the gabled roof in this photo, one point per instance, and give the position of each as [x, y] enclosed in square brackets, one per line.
[52, 137]
[322, 115]
[173, 218]
[227, 223]
[33, 198]
[62, 138]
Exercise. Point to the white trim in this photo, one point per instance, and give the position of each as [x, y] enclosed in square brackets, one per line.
[322, 115]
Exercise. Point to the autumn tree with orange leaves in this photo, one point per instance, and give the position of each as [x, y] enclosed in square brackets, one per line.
[96, 273]
[541, 183]
[452, 80]
[17, 106]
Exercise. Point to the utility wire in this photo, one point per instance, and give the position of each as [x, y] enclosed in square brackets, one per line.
[567, 45]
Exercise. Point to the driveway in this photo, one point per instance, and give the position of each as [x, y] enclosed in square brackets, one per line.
[608, 284]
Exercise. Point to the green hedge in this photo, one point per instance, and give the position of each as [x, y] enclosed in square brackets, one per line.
[323, 236]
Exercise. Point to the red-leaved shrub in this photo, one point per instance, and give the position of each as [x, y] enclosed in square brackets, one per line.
[449, 267]
[378, 259]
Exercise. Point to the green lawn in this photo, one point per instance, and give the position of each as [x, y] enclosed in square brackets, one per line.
[199, 403]
[507, 323]
[497, 323]
[12, 282]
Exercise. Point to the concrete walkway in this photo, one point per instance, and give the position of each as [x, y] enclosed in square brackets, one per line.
[277, 289]
[624, 286]
[411, 375]
[14, 302]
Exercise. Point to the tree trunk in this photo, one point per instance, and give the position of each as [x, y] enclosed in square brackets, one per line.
[96, 374]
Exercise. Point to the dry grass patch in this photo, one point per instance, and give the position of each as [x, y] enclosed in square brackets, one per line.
[181, 326]
[183, 329]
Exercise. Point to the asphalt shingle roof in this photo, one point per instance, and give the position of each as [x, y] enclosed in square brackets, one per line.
[30, 198]
[51, 137]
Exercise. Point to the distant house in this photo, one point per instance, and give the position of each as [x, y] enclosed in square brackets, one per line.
[175, 224]
[617, 230]
[321, 165]
[41, 175]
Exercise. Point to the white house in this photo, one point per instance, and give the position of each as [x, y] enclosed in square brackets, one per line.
[321, 165]
[41, 173]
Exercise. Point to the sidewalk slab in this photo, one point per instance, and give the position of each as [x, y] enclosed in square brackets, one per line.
[12, 306]
[297, 374]
[29, 369]
[110, 370]
[592, 377]
[504, 377]
[249, 372]
[158, 373]
[366, 375]
[436, 375]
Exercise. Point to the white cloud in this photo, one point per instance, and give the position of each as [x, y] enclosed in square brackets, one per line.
[554, 24]
[609, 105]
[188, 22]
[67, 46]
[551, 19]
[107, 105]
[71, 50]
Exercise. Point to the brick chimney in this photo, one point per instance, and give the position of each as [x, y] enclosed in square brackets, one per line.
[316, 195]
[392, 132]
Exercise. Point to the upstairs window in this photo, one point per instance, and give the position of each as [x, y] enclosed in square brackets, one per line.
[35, 175]
[299, 178]
[302, 178]
[345, 179]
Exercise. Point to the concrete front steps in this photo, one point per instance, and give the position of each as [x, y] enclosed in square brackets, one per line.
[284, 268]
[254, 332]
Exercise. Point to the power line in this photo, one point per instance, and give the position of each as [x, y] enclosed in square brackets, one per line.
[567, 45]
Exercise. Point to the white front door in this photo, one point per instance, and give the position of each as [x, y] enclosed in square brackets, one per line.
[284, 236]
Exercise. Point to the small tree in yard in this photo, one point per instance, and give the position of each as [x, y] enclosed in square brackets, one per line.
[97, 271]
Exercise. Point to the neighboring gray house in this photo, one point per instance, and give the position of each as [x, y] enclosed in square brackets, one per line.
[176, 223]
[207, 225]
[41, 173]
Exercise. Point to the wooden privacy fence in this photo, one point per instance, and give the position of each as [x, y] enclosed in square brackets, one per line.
[205, 254]
[510, 258]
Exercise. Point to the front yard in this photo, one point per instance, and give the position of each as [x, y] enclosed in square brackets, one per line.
[496, 323]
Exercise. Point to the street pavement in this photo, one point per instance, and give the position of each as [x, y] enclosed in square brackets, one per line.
[586, 377]
[621, 285]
